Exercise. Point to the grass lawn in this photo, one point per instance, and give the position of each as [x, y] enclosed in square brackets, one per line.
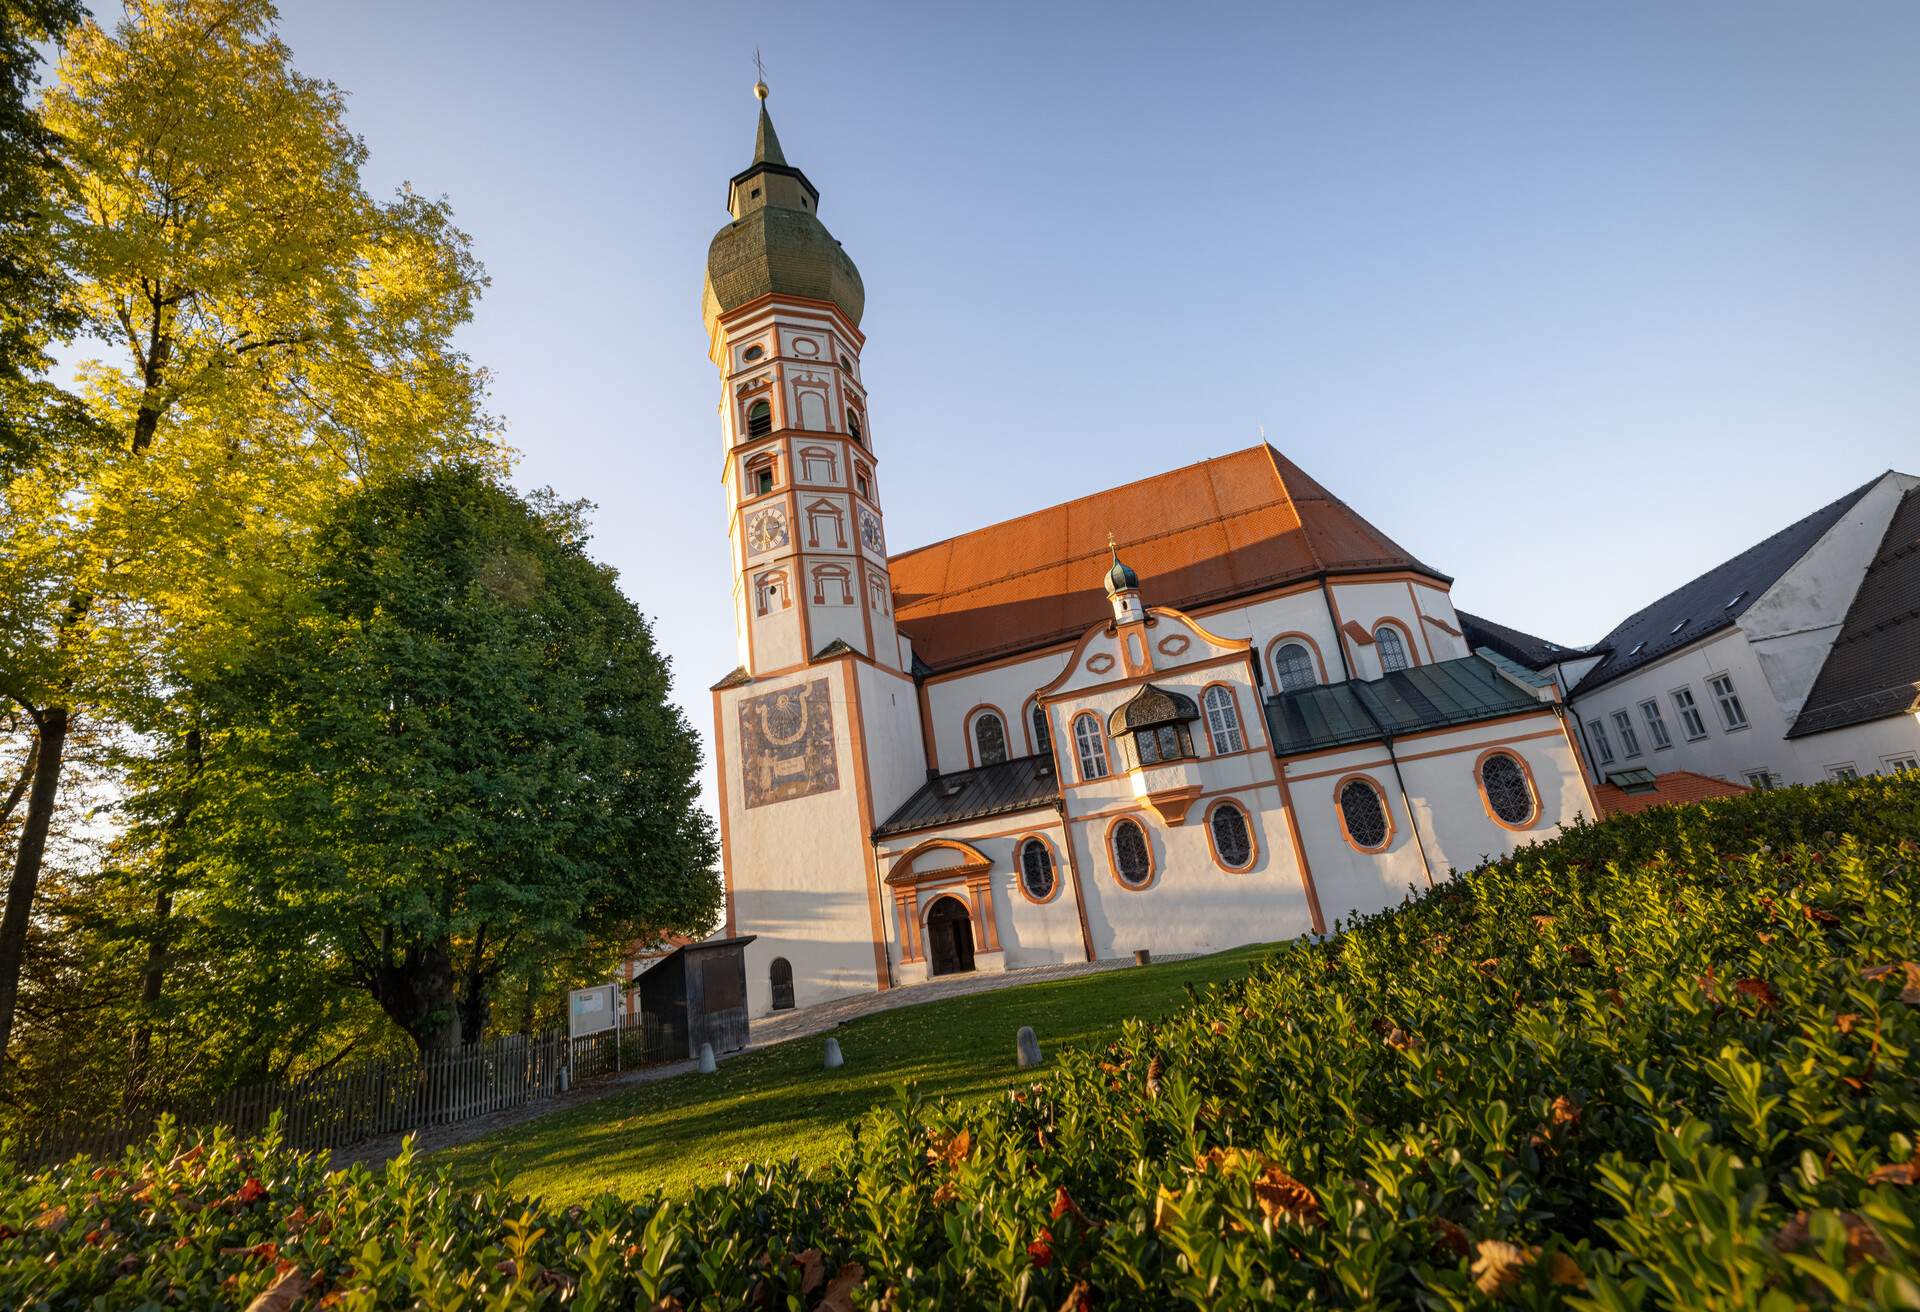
[779, 1103]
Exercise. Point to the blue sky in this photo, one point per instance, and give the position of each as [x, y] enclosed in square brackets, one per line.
[1572, 300]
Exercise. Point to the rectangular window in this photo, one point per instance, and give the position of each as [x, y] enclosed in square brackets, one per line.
[1844, 770]
[1900, 764]
[1656, 725]
[1629, 740]
[1598, 732]
[1691, 722]
[1762, 780]
[1732, 713]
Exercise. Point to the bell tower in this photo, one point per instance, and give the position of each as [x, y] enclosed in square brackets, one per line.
[782, 306]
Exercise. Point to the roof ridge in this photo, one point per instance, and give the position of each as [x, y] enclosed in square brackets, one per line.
[1273, 458]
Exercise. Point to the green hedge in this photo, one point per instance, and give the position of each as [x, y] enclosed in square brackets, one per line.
[1661, 1062]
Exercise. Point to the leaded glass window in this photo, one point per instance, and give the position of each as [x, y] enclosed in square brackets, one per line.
[1223, 721]
[1232, 839]
[989, 739]
[1132, 863]
[1167, 742]
[1091, 745]
[1365, 813]
[1036, 869]
[1293, 667]
[1393, 649]
[1505, 783]
[1042, 740]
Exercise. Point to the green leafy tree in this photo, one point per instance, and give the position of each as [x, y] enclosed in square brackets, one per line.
[454, 761]
[271, 336]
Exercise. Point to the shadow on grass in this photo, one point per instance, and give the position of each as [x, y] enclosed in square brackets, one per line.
[778, 1103]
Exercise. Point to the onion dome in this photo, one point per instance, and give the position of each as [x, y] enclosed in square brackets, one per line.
[776, 242]
[1150, 708]
[1121, 577]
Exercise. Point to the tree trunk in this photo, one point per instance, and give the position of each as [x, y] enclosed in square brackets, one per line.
[417, 993]
[52, 724]
[20, 785]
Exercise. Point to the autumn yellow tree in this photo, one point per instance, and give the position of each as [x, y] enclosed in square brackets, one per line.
[268, 335]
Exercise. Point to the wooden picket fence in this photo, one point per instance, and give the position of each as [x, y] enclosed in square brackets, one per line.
[347, 1106]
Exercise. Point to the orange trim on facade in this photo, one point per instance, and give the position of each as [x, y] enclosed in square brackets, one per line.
[1486, 803]
[1420, 633]
[1240, 722]
[1292, 819]
[1253, 837]
[1140, 808]
[973, 862]
[1386, 811]
[1172, 804]
[720, 779]
[1190, 667]
[966, 731]
[882, 968]
[1106, 749]
[1406, 639]
[1442, 625]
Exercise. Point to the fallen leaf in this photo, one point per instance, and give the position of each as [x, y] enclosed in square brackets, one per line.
[1079, 1298]
[1500, 1265]
[1907, 1172]
[1450, 1237]
[1402, 1041]
[839, 1296]
[1845, 1021]
[1040, 1251]
[1563, 1270]
[1218, 1027]
[1154, 1068]
[1760, 991]
[945, 1194]
[1818, 915]
[54, 1219]
[1578, 955]
[1064, 1205]
[813, 1269]
[282, 1294]
[1488, 966]
[1541, 922]
[1566, 1111]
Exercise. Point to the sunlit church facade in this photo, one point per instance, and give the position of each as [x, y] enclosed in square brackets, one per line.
[1210, 708]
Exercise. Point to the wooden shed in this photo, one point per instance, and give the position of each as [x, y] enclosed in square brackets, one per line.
[696, 994]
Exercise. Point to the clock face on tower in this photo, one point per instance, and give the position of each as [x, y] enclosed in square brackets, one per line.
[870, 531]
[766, 530]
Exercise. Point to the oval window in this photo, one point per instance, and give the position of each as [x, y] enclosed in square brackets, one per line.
[1036, 870]
[846, 364]
[1365, 814]
[1509, 796]
[1132, 860]
[753, 353]
[1232, 837]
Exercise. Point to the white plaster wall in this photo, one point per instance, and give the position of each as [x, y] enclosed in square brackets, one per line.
[1869, 748]
[799, 867]
[896, 759]
[1438, 603]
[1366, 604]
[1722, 754]
[1005, 686]
[1262, 622]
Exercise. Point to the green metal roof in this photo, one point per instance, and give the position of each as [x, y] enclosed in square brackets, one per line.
[1373, 710]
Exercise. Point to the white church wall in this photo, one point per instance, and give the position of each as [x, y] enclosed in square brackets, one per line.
[1006, 688]
[1371, 603]
[1437, 604]
[1264, 623]
[1876, 747]
[896, 757]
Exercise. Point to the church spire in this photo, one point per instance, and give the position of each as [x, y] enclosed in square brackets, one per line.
[766, 142]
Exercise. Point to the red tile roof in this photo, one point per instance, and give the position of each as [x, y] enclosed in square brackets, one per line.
[1226, 527]
[1674, 787]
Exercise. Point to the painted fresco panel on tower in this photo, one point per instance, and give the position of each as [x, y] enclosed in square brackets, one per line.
[786, 744]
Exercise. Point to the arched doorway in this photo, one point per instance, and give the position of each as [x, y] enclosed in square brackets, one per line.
[781, 976]
[949, 937]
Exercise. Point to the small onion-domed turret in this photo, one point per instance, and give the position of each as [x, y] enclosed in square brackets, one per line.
[776, 242]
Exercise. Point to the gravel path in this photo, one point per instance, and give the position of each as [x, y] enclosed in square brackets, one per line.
[782, 1027]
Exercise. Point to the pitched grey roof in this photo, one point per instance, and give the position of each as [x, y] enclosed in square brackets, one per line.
[1515, 645]
[1365, 710]
[1714, 600]
[1873, 669]
[1017, 785]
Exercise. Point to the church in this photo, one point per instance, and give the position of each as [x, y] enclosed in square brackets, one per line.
[1213, 707]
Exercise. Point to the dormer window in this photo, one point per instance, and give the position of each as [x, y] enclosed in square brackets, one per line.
[1676, 628]
[759, 419]
[1160, 724]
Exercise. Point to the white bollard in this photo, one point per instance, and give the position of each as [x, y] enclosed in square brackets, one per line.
[834, 1061]
[706, 1059]
[1027, 1048]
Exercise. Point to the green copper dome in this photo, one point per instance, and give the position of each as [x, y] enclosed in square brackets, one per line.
[776, 242]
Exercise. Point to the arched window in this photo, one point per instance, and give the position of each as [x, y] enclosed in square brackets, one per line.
[1363, 812]
[1037, 723]
[1132, 858]
[1393, 648]
[1293, 667]
[853, 426]
[1232, 836]
[1036, 870]
[780, 977]
[1091, 745]
[1507, 789]
[759, 419]
[1223, 720]
[989, 739]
